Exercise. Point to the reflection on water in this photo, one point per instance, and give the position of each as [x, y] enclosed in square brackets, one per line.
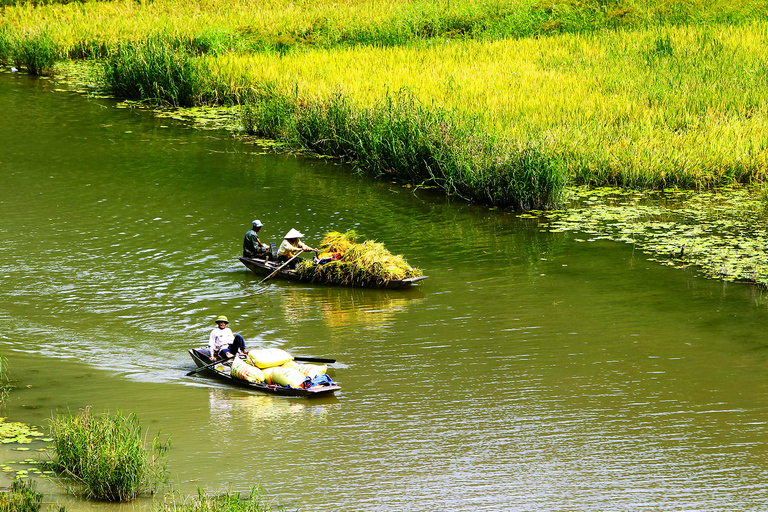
[260, 410]
[341, 307]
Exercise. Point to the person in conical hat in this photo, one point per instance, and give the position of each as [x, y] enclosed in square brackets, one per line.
[292, 246]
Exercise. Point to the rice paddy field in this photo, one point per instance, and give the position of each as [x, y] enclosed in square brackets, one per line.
[635, 94]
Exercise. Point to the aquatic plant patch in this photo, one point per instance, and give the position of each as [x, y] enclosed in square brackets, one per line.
[721, 232]
[21, 497]
[15, 432]
[105, 457]
[224, 502]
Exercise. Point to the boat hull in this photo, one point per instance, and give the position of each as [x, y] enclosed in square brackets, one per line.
[200, 356]
[264, 268]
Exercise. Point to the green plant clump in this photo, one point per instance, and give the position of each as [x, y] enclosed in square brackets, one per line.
[226, 502]
[106, 457]
[153, 72]
[22, 497]
[404, 139]
[35, 51]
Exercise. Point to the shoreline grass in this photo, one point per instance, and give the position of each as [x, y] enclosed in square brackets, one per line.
[105, 457]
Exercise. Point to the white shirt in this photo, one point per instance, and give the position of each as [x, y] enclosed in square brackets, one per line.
[219, 338]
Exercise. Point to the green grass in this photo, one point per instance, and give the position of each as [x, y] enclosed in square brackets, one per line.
[36, 52]
[22, 497]
[226, 502]
[401, 138]
[154, 72]
[105, 456]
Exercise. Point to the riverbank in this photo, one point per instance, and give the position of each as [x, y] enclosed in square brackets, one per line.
[503, 104]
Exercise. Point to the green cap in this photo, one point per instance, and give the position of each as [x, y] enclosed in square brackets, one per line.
[221, 318]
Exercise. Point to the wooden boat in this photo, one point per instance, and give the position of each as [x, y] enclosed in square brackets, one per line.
[265, 268]
[200, 356]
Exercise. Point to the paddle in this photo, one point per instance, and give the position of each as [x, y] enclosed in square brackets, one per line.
[280, 268]
[210, 365]
[314, 359]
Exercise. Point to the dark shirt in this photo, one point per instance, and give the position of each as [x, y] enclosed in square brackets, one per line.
[252, 245]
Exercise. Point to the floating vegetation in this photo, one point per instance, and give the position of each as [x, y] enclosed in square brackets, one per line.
[17, 433]
[722, 232]
[344, 262]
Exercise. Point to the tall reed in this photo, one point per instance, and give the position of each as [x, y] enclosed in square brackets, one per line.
[400, 137]
[35, 51]
[105, 456]
[3, 380]
[154, 72]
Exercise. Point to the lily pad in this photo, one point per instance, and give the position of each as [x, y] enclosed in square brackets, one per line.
[17, 432]
[719, 231]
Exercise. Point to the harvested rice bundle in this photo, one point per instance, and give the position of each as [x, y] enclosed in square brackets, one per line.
[338, 242]
[368, 263]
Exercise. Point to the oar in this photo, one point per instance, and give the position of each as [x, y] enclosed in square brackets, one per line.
[314, 359]
[280, 268]
[210, 365]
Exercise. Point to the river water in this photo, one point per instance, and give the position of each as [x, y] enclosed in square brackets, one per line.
[528, 372]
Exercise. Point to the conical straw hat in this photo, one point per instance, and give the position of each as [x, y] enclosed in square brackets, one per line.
[293, 234]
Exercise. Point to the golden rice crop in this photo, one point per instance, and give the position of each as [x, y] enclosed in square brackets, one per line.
[334, 241]
[364, 264]
[682, 106]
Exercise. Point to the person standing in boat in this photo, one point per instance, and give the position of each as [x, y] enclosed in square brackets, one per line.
[222, 343]
[252, 246]
[292, 246]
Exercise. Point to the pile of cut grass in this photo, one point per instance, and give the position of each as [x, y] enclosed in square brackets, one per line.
[106, 457]
[362, 264]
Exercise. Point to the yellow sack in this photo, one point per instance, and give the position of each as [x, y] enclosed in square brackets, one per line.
[288, 377]
[268, 374]
[310, 370]
[243, 371]
[268, 357]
